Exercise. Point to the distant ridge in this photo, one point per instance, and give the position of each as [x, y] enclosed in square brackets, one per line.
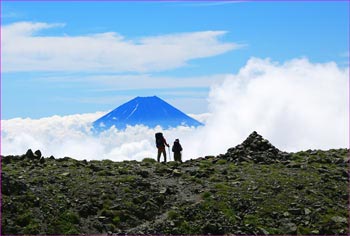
[148, 111]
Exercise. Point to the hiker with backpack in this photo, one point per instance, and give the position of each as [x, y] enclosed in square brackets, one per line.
[161, 143]
[177, 150]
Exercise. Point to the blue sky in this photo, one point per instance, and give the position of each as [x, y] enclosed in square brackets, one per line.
[61, 58]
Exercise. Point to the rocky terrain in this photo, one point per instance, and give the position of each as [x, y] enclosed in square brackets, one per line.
[252, 189]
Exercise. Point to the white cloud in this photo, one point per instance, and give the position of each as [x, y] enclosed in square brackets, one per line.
[25, 29]
[297, 105]
[23, 50]
[71, 136]
[201, 117]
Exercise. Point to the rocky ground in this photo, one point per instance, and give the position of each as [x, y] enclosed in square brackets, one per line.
[252, 189]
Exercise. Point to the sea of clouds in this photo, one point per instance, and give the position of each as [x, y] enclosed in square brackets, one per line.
[297, 105]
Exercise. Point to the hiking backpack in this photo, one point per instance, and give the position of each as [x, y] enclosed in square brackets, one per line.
[177, 147]
[159, 140]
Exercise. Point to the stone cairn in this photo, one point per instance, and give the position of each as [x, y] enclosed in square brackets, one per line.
[257, 149]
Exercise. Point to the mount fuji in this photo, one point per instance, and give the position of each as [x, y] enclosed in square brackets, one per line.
[148, 111]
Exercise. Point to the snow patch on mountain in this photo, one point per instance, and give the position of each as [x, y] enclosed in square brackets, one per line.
[148, 111]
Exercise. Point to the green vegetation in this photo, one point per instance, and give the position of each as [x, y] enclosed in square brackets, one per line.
[149, 160]
[236, 193]
[172, 215]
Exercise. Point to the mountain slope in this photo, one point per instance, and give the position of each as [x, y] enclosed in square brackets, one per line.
[254, 188]
[148, 111]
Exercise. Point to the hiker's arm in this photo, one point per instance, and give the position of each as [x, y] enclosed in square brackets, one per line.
[166, 143]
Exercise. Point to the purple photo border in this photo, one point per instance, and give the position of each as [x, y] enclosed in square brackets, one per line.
[348, 160]
[0, 118]
[192, 1]
[189, 1]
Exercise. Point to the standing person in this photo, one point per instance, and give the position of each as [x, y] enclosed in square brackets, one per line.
[177, 150]
[161, 143]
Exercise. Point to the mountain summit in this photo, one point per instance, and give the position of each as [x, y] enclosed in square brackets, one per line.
[148, 111]
[254, 189]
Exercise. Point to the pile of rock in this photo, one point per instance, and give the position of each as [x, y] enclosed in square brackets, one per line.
[30, 155]
[257, 149]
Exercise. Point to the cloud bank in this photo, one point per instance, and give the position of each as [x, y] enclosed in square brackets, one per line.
[24, 49]
[71, 136]
[297, 105]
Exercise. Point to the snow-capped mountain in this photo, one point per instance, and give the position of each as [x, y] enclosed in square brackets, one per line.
[148, 111]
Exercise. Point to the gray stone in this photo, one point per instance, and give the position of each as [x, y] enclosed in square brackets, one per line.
[37, 154]
[30, 154]
[289, 228]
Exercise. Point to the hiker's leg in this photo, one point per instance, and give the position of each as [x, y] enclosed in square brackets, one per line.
[164, 153]
[176, 156]
[159, 153]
